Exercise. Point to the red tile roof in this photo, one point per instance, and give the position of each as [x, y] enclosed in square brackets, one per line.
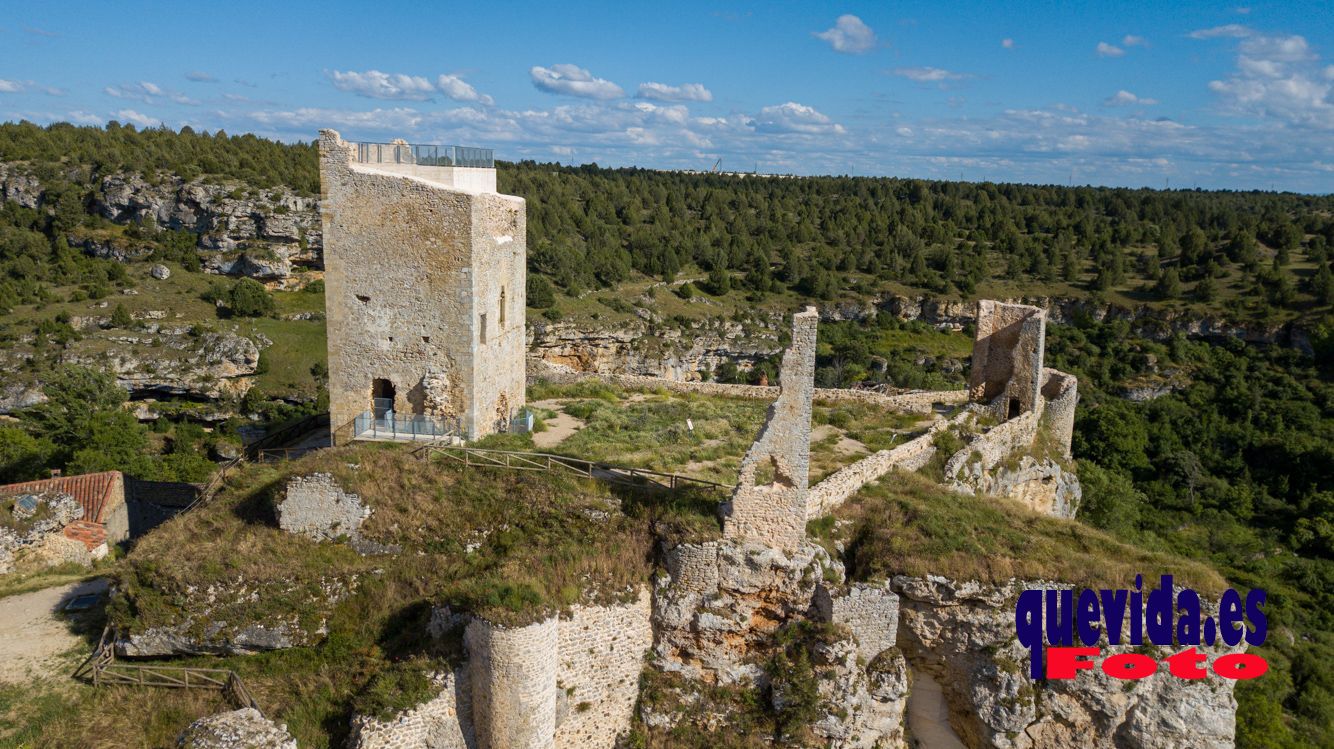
[92, 535]
[91, 490]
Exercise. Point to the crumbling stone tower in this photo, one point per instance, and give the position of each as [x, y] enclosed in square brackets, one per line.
[1007, 374]
[769, 503]
[424, 286]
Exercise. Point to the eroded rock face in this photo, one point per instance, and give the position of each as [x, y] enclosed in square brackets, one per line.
[962, 633]
[246, 728]
[1042, 485]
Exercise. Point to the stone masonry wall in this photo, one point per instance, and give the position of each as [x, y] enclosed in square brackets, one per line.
[771, 508]
[315, 506]
[410, 269]
[916, 402]
[827, 495]
[1007, 357]
[514, 674]
[602, 650]
[1060, 393]
[443, 722]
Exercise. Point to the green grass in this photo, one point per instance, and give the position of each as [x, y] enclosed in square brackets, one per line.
[906, 524]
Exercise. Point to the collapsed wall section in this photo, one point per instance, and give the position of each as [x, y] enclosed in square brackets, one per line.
[769, 503]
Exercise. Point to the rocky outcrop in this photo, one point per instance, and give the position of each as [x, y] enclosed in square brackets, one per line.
[159, 360]
[718, 614]
[246, 728]
[278, 229]
[962, 633]
[228, 617]
[1040, 484]
[669, 352]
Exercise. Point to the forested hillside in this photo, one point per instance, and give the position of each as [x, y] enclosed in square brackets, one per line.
[1207, 447]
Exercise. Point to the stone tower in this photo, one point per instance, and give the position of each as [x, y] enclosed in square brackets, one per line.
[424, 287]
[1007, 372]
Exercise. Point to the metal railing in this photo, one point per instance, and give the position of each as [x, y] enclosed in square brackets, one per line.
[388, 425]
[424, 155]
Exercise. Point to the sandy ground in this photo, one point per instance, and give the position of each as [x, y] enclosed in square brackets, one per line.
[928, 718]
[32, 635]
[558, 428]
[845, 445]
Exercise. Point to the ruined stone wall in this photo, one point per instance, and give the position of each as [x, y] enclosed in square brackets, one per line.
[514, 674]
[1006, 374]
[1060, 393]
[870, 612]
[315, 506]
[826, 496]
[915, 402]
[769, 503]
[405, 261]
[997, 443]
[442, 722]
[602, 651]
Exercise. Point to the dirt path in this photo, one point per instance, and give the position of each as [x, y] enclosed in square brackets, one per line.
[32, 634]
[928, 718]
[558, 427]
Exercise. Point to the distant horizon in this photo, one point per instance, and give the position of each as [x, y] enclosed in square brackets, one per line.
[1213, 95]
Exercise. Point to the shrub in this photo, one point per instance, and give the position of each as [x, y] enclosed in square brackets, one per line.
[249, 298]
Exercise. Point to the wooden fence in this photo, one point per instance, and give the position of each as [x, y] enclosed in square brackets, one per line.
[103, 670]
[514, 460]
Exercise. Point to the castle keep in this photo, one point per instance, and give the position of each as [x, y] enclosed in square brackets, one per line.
[424, 288]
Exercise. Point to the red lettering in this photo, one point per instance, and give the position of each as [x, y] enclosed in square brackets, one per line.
[1240, 666]
[1129, 666]
[1062, 663]
[1182, 665]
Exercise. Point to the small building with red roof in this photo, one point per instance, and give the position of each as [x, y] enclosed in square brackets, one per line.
[101, 495]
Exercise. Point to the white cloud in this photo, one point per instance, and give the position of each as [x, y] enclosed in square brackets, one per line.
[572, 80]
[683, 92]
[460, 90]
[10, 87]
[376, 85]
[1131, 40]
[1124, 98]
[148, 93]
[142, 120]
[1277, 77]
[928, 75]
[849, 35]
[199, 76]
[1007, 43]
[1231, 30]
[1109, 50]
[794, 118]
[80, 117]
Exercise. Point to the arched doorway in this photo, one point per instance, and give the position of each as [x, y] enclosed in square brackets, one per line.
[382, 397]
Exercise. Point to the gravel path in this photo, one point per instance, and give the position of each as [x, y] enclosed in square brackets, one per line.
[32, 634]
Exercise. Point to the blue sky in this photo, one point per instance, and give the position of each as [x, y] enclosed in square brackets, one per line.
[1217, 95]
